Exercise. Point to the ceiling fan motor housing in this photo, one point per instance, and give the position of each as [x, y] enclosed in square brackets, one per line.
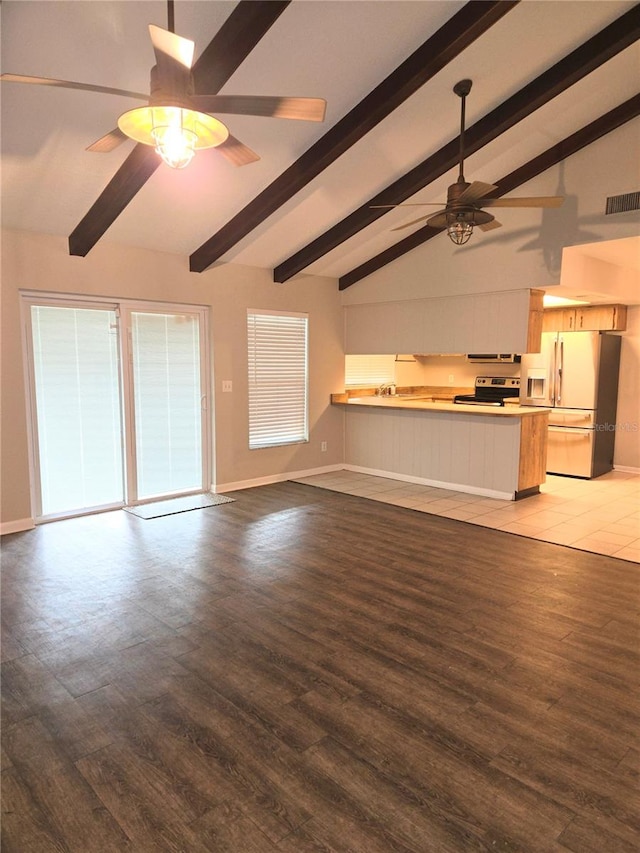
[178, 94]
[460, 213]
[471, 214]
[455, 191]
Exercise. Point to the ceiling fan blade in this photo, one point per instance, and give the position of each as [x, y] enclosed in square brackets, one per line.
[236, 152]
[168, 44]
[438, 220]
[70, 84]
[531, 201]
[304, 109]
[474, 191]
[410, 204]
[108, 142]
[174, 56]
[413, 222]
[489, 226]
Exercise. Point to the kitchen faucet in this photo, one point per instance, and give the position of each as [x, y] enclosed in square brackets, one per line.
[386, 389]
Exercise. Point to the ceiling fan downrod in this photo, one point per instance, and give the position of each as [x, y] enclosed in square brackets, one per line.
[171, 21]
[462, 89]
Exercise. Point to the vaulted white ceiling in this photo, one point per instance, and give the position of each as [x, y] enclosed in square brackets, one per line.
[334, 50]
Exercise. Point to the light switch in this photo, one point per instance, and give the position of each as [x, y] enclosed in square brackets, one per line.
[227, 385]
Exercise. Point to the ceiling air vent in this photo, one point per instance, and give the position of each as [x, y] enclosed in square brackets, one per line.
[623, 203]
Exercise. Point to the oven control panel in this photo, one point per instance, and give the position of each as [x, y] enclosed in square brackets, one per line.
[507, 382]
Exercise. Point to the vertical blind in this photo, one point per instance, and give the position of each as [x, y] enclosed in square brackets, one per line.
[168, 419]
[76, 376]
[278, 378]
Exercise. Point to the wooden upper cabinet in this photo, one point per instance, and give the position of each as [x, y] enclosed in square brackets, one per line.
[608, 318]
[591, 318]
[559, 320]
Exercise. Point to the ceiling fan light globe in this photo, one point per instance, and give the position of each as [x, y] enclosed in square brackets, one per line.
[176, 145]
[459, 229]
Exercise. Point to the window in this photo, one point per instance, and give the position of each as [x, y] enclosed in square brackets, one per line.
[363, 371]
[278, 378]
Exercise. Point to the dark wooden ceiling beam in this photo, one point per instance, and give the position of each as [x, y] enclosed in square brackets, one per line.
[593, 53]
[560, 151]
[450, 40]
[235, 40]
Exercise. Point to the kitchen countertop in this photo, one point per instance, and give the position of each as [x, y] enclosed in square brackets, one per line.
[418, 404]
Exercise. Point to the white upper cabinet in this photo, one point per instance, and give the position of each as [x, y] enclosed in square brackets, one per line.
[486, 322]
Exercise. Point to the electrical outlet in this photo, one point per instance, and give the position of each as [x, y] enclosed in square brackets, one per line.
[227, 385]
[451, 379]
[323, 446]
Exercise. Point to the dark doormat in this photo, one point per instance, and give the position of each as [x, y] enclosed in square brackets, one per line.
[175, 505]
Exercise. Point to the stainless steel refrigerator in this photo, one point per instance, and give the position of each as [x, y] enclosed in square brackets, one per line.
[576, 376]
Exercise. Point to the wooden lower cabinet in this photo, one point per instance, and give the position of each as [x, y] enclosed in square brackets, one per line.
[534, 432]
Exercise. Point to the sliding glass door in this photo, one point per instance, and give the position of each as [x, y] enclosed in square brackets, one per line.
[168, 403]
[119, 404]
[76, 374]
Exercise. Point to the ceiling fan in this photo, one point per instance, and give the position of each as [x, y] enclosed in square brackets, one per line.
[177, 120]
[463, 209]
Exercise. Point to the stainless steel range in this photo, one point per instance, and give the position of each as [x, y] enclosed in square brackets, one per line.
[491, 391]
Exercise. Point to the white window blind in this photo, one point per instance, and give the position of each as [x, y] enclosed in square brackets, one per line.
[278, 378]
[363, 371]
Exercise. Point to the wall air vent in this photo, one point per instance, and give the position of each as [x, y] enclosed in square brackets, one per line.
[623, 203]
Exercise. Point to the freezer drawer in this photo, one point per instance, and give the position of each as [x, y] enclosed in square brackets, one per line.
[570, 451]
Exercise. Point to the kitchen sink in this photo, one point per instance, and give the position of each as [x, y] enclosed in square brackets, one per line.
[392, 398]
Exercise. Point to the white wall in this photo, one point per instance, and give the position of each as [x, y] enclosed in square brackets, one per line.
[42, 262]
[597, 280]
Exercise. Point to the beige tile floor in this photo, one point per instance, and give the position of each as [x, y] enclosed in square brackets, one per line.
[601, 515]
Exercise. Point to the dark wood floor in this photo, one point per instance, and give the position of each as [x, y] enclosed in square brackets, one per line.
[307, 671]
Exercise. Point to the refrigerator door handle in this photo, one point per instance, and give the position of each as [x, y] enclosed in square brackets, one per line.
[584, 432]
[559, 374]
[552, 391]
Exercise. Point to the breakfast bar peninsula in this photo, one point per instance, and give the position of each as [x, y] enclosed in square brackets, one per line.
[497, 451]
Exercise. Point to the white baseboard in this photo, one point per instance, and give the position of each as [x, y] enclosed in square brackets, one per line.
[627, 469]
[17, 526]
[437, 484]
[221, 488]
